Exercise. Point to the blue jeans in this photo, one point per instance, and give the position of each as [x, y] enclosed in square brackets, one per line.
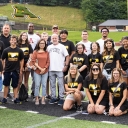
[40, 79]
[1, 83]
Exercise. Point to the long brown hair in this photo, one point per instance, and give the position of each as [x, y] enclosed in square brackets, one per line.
[20, 40]
[105, 52]
[37, 45]
[100, 75]
[120, 76]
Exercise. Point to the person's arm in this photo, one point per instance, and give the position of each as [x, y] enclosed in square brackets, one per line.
[100, 96]
[89, 96]
[82, 68]
[66, 63]
[21, 65]
[117, 64]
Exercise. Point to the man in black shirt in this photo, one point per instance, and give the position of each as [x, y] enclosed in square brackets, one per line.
[12, 59]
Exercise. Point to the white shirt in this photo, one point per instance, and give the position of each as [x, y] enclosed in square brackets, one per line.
[87, 47]
[33, 39]
[101, 43]
[57, 54]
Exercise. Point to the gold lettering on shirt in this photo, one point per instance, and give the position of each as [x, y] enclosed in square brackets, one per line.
[73, 85]
[117, 93]
[78, 61]
[13, 56]
[25, 50]
[110, 60]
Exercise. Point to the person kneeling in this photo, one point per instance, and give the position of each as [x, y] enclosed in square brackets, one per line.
[74, 89]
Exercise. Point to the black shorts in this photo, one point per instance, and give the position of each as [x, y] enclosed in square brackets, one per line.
[104, 102]
[1, 66]
[12, 77]
[123, 107]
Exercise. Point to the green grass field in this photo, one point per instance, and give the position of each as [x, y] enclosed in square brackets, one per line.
[19, 119]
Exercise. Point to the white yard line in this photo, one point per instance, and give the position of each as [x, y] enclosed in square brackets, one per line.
[3, 107]
[109, 122]
[35, 112]
[54, 120]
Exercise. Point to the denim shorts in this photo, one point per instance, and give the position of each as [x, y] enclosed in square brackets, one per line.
[126, 75]
[12, 77]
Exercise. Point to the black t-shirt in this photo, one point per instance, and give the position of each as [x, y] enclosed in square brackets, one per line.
[74, 84]
[1, 48]
[111, 63]
[118, 95]
[27, 49]
[12, 57]
[94, 58]
[5, 40]
[94, 89]
[69, 46]
[123, 58]
[80, 60]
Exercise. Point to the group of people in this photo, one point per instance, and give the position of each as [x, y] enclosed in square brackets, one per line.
[95, 70]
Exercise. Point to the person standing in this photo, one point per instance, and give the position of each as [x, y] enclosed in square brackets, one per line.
[5, 38]
[12, 60]
[57, 53]
[85, 42]
[40, 59]
[104, 32]
[33, 38]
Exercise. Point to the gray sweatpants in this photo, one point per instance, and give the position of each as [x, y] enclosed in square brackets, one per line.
[60, 79]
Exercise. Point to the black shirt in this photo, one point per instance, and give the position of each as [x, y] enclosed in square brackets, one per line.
[12, 57]
[69, 46]
[118, 95]
[80, 60]
[27, 49]
[95, 89]
[5, 40]
[74, 84]
[1, 48]
[94, 58]
[111, 63]
[123, 58]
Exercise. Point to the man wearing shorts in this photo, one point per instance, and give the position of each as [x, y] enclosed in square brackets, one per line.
[12, 60]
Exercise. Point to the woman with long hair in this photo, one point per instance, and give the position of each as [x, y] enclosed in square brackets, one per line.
[123, 52]
[24, 45]
[110, 58]
[96, 87]
[80, 59]
[117, 94]
[74, 89]
[40, 59]
[95, 56]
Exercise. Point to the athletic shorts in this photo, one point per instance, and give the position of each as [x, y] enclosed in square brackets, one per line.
[126, 75]
[104, 102]
[71, 96]
[12, 77]
[123, 107]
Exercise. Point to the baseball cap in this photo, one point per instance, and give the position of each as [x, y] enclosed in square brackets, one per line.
[55, 26]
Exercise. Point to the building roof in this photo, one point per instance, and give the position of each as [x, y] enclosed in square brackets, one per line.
[114, 23]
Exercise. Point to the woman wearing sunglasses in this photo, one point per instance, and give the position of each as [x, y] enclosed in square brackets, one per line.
[80, 59]
[95, 56]
[110, 58]
[74, 89]
[96, 86]
[117, 94]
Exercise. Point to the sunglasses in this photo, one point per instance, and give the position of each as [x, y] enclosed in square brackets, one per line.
[95, 69]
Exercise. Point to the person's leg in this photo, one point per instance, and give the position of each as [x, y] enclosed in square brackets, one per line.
[111, 111]
[68, 104]
[91, 109]
[26, 78]
[44, 83]
[52, 78]
[20, 81]
[33, 83]
[99, 109]
[37, 78]
[1, 83]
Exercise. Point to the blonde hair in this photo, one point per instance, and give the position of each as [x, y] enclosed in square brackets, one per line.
[68, 77]
[120, 76]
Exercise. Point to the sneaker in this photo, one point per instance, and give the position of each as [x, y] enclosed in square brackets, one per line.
[48, 97]
[9, 96]
[43, 102]
[53, 101]
[4, 101]
[37, 102]
[17, 101]
[61, 102]
[79, 108]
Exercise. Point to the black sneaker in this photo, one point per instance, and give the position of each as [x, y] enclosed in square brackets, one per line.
[79, 108]
[48, 97]
[4, 101]
[53, 101]
[61, 102]
[9, 96]
[17, 101]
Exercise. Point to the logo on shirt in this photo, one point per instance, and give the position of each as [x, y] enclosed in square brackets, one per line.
[55, 50]
[25, 50]
[13, 56]
[94, 88]
[73, 85]
[78, 61]
[110, 60]
[117, 93]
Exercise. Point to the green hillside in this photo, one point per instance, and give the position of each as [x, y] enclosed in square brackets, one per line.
[65, 17]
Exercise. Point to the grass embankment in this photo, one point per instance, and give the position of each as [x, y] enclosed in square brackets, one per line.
[65, 17]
